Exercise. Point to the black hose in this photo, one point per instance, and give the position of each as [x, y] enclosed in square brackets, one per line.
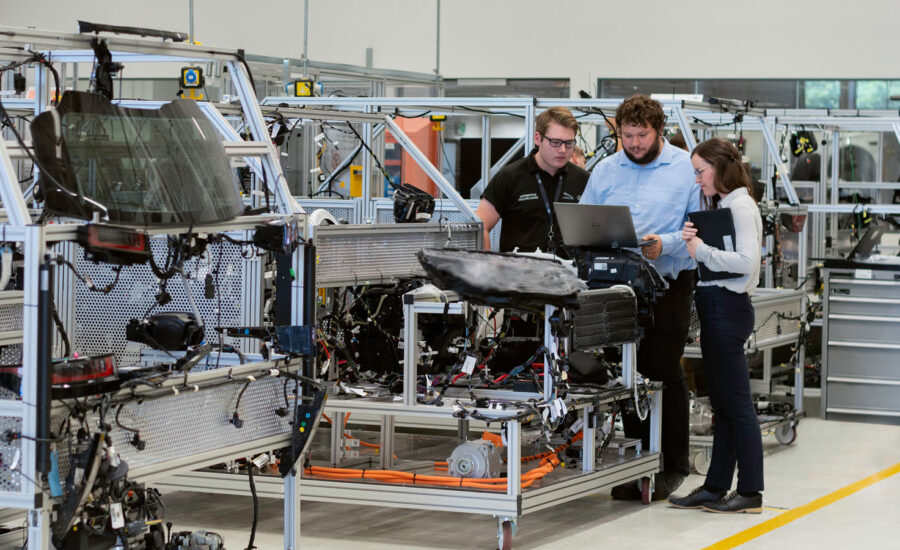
[250, 545]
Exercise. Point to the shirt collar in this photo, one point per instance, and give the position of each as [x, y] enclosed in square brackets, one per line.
[533, 165]
[730, 197]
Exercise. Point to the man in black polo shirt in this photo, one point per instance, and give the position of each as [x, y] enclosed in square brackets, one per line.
[523, 192]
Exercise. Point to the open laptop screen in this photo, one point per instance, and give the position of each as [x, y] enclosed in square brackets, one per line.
[596, 225]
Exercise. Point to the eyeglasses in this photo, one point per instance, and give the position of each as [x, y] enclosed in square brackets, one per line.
[699, 171]
[556, 143]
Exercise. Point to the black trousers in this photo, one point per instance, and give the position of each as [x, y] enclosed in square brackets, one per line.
[659, 359]
[726, 321]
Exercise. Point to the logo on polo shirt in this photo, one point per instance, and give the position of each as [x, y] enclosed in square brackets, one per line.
[528, 197]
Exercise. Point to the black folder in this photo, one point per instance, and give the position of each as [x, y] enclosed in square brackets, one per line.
[716, 229]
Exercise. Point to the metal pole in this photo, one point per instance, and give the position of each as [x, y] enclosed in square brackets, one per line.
[367, 213]
[529, 129]
[629, 364]
[685, 128]
[410, 349]
[191, 19]
[305, 36]
[45, 364]
[550, 346]
[291, 512]
[780, 167]
[485, 148]
[588, 431]
[835, 178]
[513, 458]
[437, 54]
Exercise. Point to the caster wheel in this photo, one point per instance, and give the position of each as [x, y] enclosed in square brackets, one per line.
[785, 434]
[646, 490]
[700, 461]
[507, 530]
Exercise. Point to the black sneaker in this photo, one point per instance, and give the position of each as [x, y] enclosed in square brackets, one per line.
[697, 498]
[735, 503]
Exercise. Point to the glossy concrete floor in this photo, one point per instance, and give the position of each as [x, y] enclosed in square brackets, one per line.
[827, 456]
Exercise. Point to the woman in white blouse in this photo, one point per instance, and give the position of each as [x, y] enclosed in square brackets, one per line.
[726, 321]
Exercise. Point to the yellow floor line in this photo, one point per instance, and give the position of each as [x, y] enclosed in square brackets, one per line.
[797, 513]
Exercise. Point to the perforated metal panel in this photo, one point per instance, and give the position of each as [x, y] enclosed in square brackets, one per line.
[768, 304]
[180, 430]
[10, 317]
[444, 211]
[10, 321]
[11, 354]
[10, 480]
[100, 319]
[343, 210]
[367, 254]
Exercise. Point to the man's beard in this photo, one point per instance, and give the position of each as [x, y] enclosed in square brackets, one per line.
[648, 157]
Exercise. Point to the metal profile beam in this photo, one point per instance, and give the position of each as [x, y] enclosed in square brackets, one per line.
[436, 176]
[277, 182]
[685, 128]
[893, 209]
[780, 167]
[10, 192]
[133, 49]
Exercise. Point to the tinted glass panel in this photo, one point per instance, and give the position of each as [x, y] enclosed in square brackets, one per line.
[141, 167]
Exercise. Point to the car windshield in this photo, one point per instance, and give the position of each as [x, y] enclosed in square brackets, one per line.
[144, 167]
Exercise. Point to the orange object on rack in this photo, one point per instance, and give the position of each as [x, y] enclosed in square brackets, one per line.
[393, 476]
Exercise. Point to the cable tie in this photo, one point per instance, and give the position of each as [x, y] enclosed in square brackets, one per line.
[174, 390]
[363, 475]
[196, 388]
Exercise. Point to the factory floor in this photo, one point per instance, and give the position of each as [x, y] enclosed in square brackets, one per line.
[832, 488]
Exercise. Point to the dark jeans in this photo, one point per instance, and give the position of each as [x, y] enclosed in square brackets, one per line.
[659, 359]
[726, 321]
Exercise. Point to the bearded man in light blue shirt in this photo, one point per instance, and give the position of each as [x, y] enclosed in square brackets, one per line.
[656, 181]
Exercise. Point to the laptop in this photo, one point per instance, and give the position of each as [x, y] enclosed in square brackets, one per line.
[596, 225]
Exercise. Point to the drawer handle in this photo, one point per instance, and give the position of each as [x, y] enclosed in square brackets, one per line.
[861, 411]
[839, 343]
[869, 381]
[863, 300]
[865, 282]
[872, 318]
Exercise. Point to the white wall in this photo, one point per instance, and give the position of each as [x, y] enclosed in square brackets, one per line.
[577, 39]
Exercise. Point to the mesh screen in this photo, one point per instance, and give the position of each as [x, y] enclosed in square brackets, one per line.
[767, 323]
[176, 428]
[371, 256]
[10, 480]
[342, 212]
[100, 319]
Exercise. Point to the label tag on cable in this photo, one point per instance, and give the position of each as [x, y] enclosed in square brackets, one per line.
[576, 427]
[468, 365]
[116, 517]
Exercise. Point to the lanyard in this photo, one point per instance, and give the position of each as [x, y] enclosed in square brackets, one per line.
[548, 206]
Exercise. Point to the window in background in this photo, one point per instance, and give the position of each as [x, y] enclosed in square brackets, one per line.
[876, 94]
[821, 94]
